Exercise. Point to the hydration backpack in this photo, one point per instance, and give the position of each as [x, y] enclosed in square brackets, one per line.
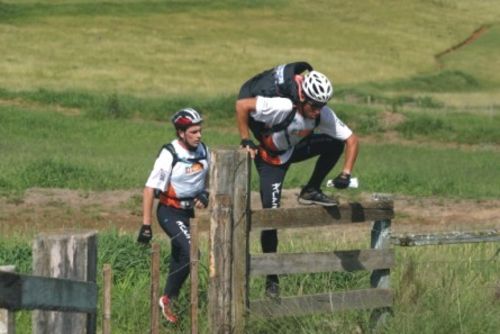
[169, 147]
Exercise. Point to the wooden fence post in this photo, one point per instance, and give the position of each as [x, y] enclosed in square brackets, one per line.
[155, 283]
[381, 239]
[70, 255]
[106, 303]
[7, 318]
[194, 257]
[229, 229]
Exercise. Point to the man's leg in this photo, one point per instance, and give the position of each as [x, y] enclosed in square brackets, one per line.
[271, 184]
[329, 151]
[176, 226]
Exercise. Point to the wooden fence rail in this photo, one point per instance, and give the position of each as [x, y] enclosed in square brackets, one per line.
[323, 303]
[24, 292]
[320, 216]
[296, 263]
[447, 238]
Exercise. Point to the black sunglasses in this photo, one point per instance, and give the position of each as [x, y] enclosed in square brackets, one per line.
[315, 104]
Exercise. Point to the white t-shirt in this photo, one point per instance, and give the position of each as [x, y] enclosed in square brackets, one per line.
[274, 110]
[185, 180]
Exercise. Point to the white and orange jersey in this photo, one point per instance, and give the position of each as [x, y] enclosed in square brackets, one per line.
[181, 181]
[274, 110]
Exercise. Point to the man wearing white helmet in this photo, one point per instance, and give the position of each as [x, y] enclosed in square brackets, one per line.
[287, 113]
[179, 179]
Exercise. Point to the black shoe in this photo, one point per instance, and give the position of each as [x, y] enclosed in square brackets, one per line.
[316, 196]
[273, 290]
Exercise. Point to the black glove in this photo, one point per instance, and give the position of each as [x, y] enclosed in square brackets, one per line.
[203, 198]
[248, 142]
[342, 181]
[145, 234]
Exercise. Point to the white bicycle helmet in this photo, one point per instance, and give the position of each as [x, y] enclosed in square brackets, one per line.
[317, 87]
[185, 118]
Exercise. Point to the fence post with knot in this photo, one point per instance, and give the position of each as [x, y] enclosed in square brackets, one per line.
[228, 249]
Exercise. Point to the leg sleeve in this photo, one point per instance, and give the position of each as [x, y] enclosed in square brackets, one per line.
[177, 228]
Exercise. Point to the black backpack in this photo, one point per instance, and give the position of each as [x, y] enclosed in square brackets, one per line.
[276, 82]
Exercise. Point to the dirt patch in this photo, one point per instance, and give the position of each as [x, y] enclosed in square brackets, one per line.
[473, 37]
[46, 209]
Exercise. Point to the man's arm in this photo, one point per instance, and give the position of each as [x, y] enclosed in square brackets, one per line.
[147, 205]
[351, 153]
[146, 233]
[243, 109]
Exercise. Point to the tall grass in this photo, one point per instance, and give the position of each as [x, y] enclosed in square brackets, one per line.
[447, 289]
[439, 289]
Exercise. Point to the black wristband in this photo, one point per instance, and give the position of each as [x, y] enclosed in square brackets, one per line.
[203, 198]
[249, 143]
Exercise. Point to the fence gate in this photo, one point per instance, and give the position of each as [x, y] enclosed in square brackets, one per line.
[231, 265]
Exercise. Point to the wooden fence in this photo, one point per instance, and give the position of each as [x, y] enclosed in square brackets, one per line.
[231, 264]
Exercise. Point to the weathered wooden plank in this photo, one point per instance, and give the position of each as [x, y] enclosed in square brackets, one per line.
[307, 216]
[229, 225]
[219, 288]
[155, 289]
[67, 254]
[322, 303]
[23, 292]
[240, 243]
[293, 263]
[194, 257]
[107, 276]
[379, 207]
[457, 237]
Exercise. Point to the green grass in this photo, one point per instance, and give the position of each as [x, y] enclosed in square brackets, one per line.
[458, 127]
[109, 142]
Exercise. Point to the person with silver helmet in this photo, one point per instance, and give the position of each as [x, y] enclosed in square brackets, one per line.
[178, 180]
[286, 110]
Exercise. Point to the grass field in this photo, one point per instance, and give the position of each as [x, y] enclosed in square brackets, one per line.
[87, 88]
[157, 48]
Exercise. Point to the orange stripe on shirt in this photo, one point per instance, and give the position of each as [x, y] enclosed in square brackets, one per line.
[273, 160]
[169, 198]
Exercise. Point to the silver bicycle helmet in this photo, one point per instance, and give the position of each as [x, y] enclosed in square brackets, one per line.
[317, 87]
[185, 118]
